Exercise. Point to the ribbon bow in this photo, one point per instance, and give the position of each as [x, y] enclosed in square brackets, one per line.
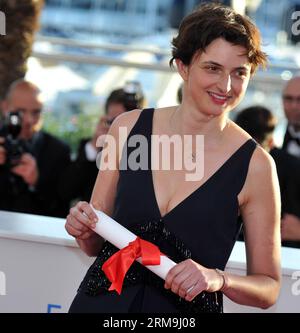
[116, 267]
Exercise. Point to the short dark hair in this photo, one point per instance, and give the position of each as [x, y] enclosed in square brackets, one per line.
[119, 96]
[211, 21]
[258, 121]
[116, 96]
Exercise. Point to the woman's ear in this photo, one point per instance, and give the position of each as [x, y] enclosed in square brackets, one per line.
[182, 69]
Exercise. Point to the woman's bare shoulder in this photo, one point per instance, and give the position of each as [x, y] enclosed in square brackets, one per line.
[127, 119]
[262, 174]
[261, 162]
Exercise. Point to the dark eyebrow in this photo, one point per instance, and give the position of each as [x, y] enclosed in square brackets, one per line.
[243, 68]
[212, 63]
[219, 65]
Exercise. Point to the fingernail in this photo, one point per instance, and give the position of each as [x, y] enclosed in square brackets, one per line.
[95, 220]
[93, 225]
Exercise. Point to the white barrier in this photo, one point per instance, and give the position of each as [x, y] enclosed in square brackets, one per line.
[42, 267]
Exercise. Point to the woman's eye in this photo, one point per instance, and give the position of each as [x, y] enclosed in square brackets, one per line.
[212, 68]
[241, 73]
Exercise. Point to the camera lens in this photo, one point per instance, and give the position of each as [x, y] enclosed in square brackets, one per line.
[13, 145]
[14, 123]
[133, 94]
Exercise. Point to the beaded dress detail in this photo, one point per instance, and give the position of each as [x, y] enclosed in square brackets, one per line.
[154, 232]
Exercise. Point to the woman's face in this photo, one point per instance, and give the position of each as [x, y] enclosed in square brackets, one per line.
[216, 80]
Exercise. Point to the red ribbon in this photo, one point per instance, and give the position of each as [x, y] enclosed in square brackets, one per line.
[116, 267]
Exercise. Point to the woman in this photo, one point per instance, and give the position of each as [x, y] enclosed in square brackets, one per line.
[193, 222]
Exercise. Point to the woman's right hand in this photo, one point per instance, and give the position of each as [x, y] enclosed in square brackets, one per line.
[81, 220]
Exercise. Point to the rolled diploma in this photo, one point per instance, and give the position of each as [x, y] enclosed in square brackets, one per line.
[120, 237]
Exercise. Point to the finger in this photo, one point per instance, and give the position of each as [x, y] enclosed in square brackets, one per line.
[2, 140]
[194, 292]
[79, 234]
[88, 210]
[178, 281]
[172, 274]
[178, 285]
[79, 216]
[77, 225]
[27, 157]
[83, 218]
[104, 119]
[187, 285]
[72, 231]
[18, 170]
[27, 160]
[106, 126]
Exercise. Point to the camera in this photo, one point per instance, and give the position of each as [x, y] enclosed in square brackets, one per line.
[133, 95]
[15, 147]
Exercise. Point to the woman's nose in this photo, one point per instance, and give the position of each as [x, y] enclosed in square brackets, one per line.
[225, 83]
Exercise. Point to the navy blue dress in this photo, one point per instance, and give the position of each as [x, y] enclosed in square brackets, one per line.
[203, 227]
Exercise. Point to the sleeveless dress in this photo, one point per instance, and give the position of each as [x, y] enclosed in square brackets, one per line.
[203, 227]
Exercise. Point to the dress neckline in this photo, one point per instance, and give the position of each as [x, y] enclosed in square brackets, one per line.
[201, 187]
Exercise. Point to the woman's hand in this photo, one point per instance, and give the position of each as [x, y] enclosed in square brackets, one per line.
[80, 221]
[188, 279]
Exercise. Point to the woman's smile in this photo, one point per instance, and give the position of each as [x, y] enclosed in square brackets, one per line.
[219, 99]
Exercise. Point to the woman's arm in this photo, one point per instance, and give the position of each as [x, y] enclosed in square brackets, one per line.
[104, 192]
[261, 215]
[260, 209]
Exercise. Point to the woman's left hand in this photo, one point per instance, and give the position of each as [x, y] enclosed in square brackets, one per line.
[188, 279]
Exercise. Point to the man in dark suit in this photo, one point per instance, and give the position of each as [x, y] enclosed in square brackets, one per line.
[260, 124]
[291, 105]
[29, 183]
[80, 176]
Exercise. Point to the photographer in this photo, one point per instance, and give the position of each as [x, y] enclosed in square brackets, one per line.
[31, 161]
[80, 177]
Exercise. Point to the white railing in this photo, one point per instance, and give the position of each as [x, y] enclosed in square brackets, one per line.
[263, 76]
[99, 60]
[102, 46]
[30, 246]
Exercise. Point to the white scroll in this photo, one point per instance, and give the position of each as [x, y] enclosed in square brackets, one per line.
[120, 237]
